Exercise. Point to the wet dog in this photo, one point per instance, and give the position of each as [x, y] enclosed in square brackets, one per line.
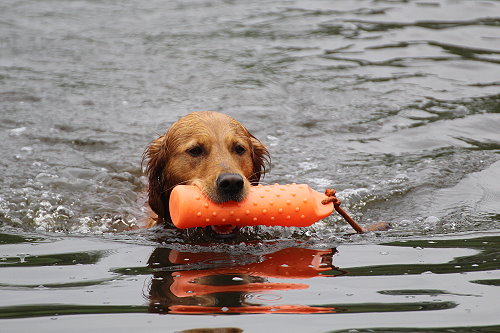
[207, 149]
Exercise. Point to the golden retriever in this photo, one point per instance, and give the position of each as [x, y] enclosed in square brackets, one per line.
[207, 149]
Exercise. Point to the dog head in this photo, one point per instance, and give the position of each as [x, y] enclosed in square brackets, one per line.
[207, 149]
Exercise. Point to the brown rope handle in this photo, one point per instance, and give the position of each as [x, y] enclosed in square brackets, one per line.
[331, 194]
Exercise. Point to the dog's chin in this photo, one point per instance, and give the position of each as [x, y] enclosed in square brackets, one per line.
[226, 231]
[223, 231]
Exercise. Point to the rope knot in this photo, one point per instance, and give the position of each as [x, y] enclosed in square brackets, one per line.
[331, 197]
[331, 194]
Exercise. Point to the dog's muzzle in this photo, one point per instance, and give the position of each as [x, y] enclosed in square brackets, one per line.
[230, 187]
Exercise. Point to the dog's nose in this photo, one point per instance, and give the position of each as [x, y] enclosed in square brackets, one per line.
[230, 183]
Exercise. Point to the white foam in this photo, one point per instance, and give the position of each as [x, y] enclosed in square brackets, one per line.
[17, 131]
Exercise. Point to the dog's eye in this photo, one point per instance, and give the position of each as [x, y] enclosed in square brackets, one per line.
[240, 150]
[195, 151]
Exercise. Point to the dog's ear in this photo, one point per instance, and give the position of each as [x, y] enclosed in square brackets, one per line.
[156, 155]
[260, 158]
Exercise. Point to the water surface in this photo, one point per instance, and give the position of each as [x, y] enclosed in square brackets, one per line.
[395, 104]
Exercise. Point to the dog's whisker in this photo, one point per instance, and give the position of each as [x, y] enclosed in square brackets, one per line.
[186, 182]
[252, 176]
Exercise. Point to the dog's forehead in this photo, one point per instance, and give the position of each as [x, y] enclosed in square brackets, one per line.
[207, 128]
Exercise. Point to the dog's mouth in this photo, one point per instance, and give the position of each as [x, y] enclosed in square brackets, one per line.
[224, 231]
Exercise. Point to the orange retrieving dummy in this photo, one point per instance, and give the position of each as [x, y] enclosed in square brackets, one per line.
[271, 205]
[291, 205]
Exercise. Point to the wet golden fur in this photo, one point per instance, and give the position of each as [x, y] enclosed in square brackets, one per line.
[196, 150]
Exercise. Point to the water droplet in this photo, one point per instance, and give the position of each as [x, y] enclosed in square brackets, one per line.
[431, 220]
[22, 257]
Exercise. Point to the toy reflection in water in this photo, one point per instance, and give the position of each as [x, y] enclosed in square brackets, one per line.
[217, 282]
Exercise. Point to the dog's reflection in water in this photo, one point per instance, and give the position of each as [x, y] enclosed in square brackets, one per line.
[226, 283]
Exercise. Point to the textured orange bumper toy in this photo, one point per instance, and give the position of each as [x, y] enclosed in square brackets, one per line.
[291, 205]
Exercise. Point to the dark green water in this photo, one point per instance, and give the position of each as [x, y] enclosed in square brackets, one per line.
[436, 284]
[394, 103]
